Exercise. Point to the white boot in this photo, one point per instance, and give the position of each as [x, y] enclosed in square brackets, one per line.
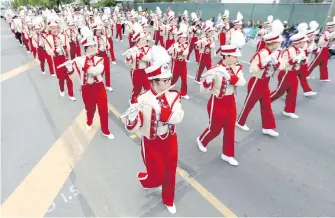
[110, 136]
[270, 132]
[88, 127]
[186, 97]
[113, 62]
[61, 94]
[245, 127]
[72, 98]
[292, 115]
[309, 93]
[172, 209]
[325, 80]
[201, 146]
[43, 72]
[230, 160]
[109, 89]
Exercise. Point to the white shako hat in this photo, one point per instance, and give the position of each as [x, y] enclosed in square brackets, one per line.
[137, 32]
[170, 16]
[301, 35]
[275, 35]
[313, 25]
[194, 17]
[225, 15]
[160, 68]
[98, 25]
[88, 37]
[234, 49]
[269, 20]
[182, 31]
[331, 24]
[52, 20]
[239, 18]
[208, 26]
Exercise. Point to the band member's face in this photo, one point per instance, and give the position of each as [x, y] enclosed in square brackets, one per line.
[174, 22]
[230, 60]
[300, 44]
[98, 32]
[163, 84]
[54, 30]
[211, 33]
[226, 20]
[91, 49]
[71, 27]
[142, 41]
[237, 26]
[182, 39]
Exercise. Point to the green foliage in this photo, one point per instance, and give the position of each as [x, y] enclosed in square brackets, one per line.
[44, 3]
[104, 3]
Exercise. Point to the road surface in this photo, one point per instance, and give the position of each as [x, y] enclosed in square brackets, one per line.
[52, 167]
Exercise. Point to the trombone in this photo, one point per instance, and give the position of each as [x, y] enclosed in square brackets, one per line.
[125, 114]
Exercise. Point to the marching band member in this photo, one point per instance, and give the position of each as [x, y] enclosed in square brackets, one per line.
[179, 51]
[156, 121]
[38, 43]
[223, 27]
[90, 69]
[56, 45]
[26, 33]
[221, 81]
[194, 32]
[72, 35]
[321, 58]
[185, 19]
[293, 57]
[129, 27]
[107, 31]
[205, 45]
[237, 27]
[263, 65]
[118, 21]
[171, 29]
[146, 29]
[158, 37]
[103, 46]
[310, 49]
[139, 57]
[265, 30]
[18, 27]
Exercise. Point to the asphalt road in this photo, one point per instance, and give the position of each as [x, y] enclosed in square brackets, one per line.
[291, 175]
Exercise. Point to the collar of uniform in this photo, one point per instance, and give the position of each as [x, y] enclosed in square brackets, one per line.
[266, 48]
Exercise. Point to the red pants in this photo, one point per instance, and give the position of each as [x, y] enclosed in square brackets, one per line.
[94, 95]
[74, 50]
[33, 49]
[158, 38]
[287, 82]
[111, 50]
[25, 42]
[160, 158]
[180, 70]
[205, 61]
[50, 63]
[168, 43]
[139, 79]
[107, 67]
[196, 51]
[258, 90]
[41, 53]
[321, 60]
[118, 31]
[62, 75]
[222, 115]
[302, 74]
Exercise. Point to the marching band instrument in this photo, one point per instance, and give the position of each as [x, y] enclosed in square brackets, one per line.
[125, 114]
[213, 71]
[73, 60]
[132, 49]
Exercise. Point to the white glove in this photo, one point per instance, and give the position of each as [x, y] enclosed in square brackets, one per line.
[209, 78]
[58, 50]
[224, 72]
[155, 105]
[69, 67]
[274, 60]
[133, 115]
[298, 58]
[311, 47]
[266, 61]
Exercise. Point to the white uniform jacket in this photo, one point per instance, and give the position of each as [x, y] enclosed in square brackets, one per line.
[219, 86]
[152, 125]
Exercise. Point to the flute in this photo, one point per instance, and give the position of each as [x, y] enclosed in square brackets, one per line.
[214, 70]
[143, 103]
[74, 59]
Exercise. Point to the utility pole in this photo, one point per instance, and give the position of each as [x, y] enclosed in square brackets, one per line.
[331, 13]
